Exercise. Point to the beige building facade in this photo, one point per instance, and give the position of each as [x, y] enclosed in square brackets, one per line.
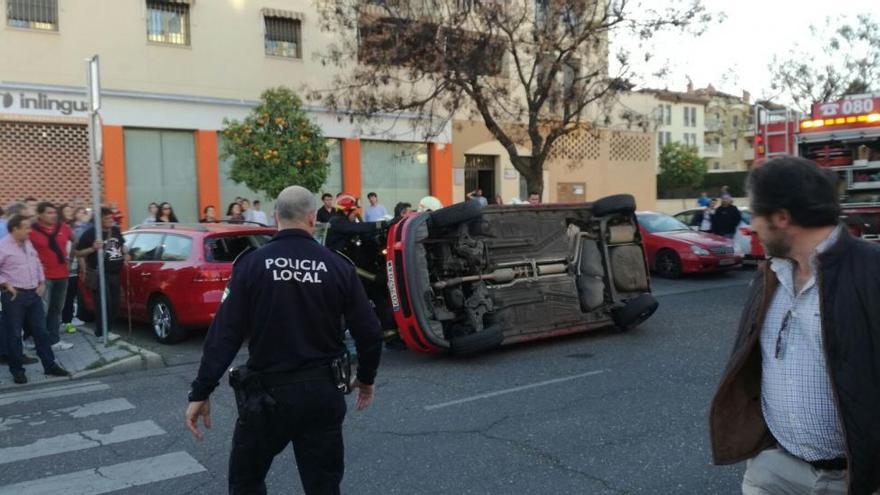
[171, 72]
[583, 166]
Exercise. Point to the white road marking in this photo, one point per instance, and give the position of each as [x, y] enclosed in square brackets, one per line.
[83, 411]
[110, 478]
[512, 390]
[72, 442]
[46, 393]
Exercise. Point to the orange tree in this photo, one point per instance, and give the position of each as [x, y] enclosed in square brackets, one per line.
[276, 146]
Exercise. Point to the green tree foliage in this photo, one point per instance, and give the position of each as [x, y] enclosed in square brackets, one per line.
[276, 146]
[680, 166]
[848, 63]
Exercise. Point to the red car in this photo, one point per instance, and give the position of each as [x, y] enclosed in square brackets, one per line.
[464, 279]
[178, 272]
[674, 249]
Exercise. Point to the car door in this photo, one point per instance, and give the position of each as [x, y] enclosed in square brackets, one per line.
[175, 272]
[142, 270]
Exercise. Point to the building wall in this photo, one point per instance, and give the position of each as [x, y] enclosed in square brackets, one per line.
[148, 86]
[606, 162]
[729, 120]
[650, 108]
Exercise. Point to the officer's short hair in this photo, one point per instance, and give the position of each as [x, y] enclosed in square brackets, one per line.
[296, 204]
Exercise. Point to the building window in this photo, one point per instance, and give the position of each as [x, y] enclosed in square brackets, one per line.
[168, 22]
[668, 115]
[716, 166]
[687, 117]
[33, 14]
[693, 117]
[660, 140]
[733, 144]
[283, 37]
[735, 122]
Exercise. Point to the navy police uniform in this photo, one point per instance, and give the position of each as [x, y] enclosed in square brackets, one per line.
[288, 297]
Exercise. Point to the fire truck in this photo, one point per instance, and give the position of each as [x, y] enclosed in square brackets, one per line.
[843, 136]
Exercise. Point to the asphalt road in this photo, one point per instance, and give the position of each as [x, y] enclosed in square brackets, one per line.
[599, 413]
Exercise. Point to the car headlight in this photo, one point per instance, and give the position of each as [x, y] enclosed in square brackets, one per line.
[699, 251]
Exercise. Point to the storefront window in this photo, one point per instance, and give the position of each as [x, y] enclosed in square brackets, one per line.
[395, 171]
[161, 166]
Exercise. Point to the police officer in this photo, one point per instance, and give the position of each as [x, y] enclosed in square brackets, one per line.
[288, 298]
[344, 225]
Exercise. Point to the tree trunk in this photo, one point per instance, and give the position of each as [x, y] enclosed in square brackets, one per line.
[533, 173]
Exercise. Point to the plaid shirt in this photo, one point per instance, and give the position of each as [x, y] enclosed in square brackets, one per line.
[796, 393]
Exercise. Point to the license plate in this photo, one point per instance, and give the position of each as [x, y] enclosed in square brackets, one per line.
[726, 262]
[392, 286]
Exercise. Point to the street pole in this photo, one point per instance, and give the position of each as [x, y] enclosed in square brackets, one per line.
[93, 89]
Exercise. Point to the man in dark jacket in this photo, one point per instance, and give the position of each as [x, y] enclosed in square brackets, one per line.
[800, 397]
[726, 218]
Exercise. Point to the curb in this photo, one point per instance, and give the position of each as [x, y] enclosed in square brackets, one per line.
[141, 360]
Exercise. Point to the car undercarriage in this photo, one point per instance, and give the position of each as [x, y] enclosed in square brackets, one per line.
[466, 279]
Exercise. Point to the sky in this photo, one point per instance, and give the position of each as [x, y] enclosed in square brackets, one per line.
[734, 55]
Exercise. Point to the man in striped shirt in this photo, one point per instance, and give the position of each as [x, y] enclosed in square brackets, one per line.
[22, 283]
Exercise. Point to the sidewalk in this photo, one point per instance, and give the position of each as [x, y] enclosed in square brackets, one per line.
[88, 358]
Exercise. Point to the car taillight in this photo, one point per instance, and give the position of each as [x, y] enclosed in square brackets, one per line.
[211, 276]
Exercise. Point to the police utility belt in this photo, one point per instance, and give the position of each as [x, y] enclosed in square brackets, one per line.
[251, 387]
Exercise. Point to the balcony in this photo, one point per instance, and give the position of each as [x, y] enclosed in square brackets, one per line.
[712, 150]
[713, 125]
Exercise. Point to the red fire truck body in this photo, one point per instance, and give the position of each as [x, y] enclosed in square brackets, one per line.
[843, 136]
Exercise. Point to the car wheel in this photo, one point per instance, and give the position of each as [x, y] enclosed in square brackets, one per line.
[456, 214]
[489, 338]
[617, 203]
[668, 264]
[163, 320]
[634, 312]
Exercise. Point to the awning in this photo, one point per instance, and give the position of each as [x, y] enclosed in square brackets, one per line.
[284, 14]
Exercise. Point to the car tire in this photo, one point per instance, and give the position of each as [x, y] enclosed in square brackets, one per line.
[163, 321]
[634, 312]
[490, 338]
[667, 264]
[617, 203]
[456, 214]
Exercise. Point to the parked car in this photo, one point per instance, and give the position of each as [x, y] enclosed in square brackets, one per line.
[744, 237]
[673, 249]
[465, 279]
[178, 272]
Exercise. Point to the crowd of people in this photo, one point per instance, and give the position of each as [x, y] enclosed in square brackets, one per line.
[44, 248]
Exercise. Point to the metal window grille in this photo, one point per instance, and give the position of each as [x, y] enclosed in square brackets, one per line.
[167, 22]
[33, 14]
[283, 37]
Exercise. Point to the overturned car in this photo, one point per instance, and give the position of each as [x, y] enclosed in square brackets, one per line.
[465, 279]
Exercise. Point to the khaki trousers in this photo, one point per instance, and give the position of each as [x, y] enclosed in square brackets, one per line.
[776, 472]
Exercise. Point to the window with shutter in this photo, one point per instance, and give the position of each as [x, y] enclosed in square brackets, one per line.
[32, 14]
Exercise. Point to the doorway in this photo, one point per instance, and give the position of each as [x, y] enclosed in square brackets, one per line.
[479, 172]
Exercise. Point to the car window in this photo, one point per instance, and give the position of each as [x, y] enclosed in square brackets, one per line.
[129, 238]
[145, 246]
[655, 222]
[686, 217]
[225, 249]
[176, 248]
[746, 216]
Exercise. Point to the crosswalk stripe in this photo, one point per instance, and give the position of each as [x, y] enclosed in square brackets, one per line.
[82, 411]
[72, 442]
[49, 392]
[110, 478]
